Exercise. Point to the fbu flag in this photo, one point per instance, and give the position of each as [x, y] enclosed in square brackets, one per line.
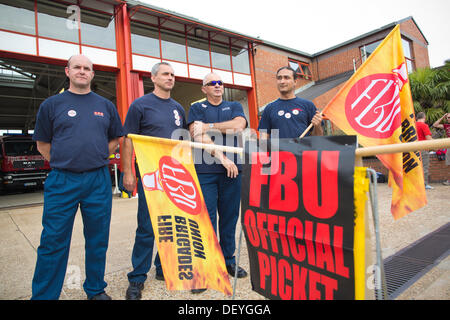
[190, 254]
[376, 105]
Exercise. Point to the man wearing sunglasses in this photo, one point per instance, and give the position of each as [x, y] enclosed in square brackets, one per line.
[217, 121]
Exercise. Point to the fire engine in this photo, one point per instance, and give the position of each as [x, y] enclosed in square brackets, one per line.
[21, 164]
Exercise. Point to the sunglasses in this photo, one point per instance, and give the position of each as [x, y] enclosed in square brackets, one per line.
[214, 82]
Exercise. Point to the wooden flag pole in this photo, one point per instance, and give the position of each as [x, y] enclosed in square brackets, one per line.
[310, 126]
[359, 152]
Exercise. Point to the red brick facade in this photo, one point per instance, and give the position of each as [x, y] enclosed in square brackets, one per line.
[438, 171]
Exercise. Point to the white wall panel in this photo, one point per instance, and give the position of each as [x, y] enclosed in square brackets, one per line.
[57, 49]
[179, 68]
[144, 63]
[100, 56]
[226, 76]
[242, 80]
[19, 43]
[197, 72]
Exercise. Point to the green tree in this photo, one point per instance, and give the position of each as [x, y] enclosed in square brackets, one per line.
[430, 89]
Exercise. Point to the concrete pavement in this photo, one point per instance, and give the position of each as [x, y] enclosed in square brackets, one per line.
[20, 229]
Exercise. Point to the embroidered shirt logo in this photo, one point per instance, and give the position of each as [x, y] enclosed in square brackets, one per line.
[72, 113]
[98, 114]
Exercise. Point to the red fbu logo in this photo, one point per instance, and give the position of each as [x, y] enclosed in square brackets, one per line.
[177, 183]
[373, 106]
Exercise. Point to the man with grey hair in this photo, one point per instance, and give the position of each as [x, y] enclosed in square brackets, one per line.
[218, 121]
[154, 114]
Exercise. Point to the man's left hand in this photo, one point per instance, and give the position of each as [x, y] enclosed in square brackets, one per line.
[317, 119]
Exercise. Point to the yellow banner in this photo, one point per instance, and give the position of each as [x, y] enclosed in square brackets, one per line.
[376, 105]
[190, 254]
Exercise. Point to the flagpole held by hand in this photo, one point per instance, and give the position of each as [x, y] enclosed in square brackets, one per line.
[309, 127]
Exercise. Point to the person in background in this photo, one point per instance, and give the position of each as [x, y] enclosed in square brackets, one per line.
[446, 126]
[424, 133]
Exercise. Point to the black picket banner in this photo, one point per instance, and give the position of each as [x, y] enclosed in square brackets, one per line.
[298, 217]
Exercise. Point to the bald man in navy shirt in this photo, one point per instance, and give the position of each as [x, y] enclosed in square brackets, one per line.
[76, 131]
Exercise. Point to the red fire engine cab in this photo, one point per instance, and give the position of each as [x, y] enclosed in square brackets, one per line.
[21, 164]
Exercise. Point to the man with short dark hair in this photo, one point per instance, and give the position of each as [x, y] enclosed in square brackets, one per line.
[76, 131]
[289, 114]
[154, 114]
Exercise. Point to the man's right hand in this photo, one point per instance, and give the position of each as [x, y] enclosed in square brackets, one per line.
[129, 181]
[230, 166]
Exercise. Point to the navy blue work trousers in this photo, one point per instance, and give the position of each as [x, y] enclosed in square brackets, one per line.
[142, 255]
[223, 197]
[64, 192]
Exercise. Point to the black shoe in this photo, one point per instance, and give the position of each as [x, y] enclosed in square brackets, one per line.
[197, 291]
[159, 276]
[101, 296]
[134, 291]
[231, 268]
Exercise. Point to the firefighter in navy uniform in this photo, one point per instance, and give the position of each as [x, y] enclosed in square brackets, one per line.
[220, 181]
[154, 114]
[289, 114]
[76, 131]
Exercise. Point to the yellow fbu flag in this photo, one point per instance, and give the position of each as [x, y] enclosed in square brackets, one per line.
[191, 257]
[376, 105]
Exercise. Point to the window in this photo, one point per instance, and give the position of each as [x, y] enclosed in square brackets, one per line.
[97, 29]
[198, 51]
[52, 22]
[17, 15]
[220, 56]
[408, 56]
[240, 58]
[21, 148]
[173, 46]
[368, 49]
[144, 40]
[301, 68]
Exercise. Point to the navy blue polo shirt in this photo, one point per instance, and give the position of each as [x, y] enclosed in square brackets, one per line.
[291, 117]
[79, 127]
[209, 113]
[150, 115]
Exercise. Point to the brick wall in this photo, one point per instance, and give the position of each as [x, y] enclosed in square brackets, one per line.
[438, 171]
[337, 62]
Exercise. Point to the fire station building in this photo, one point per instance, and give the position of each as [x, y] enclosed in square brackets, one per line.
[124, 39]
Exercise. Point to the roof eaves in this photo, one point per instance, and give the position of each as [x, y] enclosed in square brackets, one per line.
[134, 3]
[278, 46]
[388, 26]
